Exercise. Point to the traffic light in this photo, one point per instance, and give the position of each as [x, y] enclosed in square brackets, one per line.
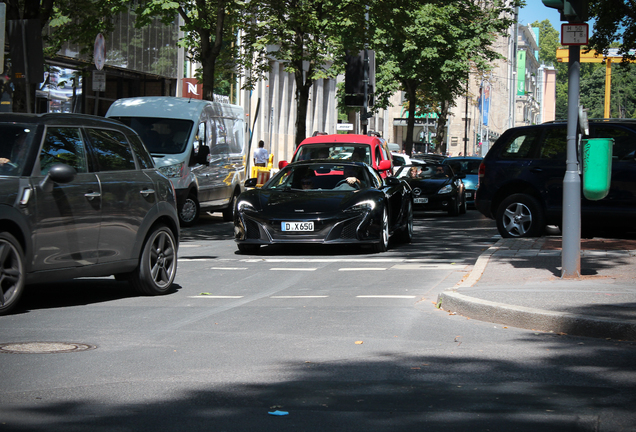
[571, 10]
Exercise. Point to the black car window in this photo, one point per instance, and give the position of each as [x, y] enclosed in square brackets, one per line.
[143, 157]
[554, 144]
[63, 145]
[519, 146]
[624, 141]
[111, 150]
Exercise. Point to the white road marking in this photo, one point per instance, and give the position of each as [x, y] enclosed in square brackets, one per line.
[298, 297]
[216, 297]
[228, 268]
[386, 296]
[293, 269]
[361, 268]
[427, 266]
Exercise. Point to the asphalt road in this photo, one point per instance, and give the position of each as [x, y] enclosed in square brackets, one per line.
[338, 338]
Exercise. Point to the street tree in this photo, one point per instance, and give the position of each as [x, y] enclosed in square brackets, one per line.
[614, 21]
[307, 38]
[432, 46]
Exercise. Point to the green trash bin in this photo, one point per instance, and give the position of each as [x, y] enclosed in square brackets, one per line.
[597, 167]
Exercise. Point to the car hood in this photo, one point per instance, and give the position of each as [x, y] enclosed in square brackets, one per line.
[429, 185]
[304, 202]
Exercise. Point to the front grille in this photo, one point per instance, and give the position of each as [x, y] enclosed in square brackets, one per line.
[349, 230]
[253, 231]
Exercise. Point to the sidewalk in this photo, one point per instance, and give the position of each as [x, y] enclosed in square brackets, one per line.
[517, 282]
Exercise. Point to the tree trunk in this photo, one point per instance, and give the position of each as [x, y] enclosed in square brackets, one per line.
[210, 51]
[410, 123]
[440, 138]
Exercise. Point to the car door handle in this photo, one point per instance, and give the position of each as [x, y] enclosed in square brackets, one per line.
[147, 192]
[92, 195]
[536, 170]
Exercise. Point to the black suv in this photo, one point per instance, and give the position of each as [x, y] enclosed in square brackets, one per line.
[80, 197]
[521, 179]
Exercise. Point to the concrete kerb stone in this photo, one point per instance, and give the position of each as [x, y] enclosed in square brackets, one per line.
[524, 317]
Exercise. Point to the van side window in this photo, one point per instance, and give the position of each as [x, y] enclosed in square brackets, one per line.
[63, 145]
[218, 137]
[554, 145]
[111, 149]
[519, 146]
[624, 141]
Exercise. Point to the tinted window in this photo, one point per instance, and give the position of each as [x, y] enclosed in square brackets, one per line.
[519, 146]
[624, 141]
[14, 147]
[111, 150]
[143, 157]
[63, 145]
[160, 135]
[554, 144]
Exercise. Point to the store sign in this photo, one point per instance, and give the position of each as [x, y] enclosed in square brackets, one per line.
[192, 89]
[418, 122]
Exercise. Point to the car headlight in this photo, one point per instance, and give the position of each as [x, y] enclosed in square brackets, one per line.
[446, 189]
[362, 206]
[244, 205]
[172, 171]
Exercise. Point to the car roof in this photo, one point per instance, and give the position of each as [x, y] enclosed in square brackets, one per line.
[341, 138]
[63, 119]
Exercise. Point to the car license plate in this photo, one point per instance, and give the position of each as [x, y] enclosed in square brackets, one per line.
[421, 200]
[469, 194]
[297, 226]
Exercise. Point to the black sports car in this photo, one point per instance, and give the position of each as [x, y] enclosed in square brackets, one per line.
[324, 202]
[435, 187]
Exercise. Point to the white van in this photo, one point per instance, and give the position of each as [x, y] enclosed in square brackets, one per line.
[199, 145]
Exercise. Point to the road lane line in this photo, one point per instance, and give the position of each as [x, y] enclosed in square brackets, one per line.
[387, 296]
[228, 268]
[216, 297]
[361, 268]
[293, 269]
[299, 297]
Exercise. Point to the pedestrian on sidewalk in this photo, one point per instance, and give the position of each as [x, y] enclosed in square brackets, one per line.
[261, 155]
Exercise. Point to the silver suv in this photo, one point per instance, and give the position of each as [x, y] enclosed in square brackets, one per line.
[80, 197]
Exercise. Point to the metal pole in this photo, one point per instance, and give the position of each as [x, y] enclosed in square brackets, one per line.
[571, 227]
[466, 120]
[365, 103]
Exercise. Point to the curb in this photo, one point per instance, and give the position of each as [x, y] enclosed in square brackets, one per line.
[528, 318]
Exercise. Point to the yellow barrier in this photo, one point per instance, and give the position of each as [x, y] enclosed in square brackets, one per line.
[262, 173]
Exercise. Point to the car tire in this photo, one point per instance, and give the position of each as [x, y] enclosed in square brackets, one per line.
[248, 249]
[520, 215]
[12, 272]
[463, 207]
[228, 213]
[189, 213]
[453, 210]
[158, 263]
[383, 244]
[406, 236]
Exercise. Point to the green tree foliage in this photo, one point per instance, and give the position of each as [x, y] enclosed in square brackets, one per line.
[307, 37]
[210, 33]
[614, 21]
[430, 47]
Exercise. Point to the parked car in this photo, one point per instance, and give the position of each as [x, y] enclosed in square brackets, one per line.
[521, 179]
[199, 145]
[435, 187]
[80, 197]
[468, 165]
[372, 150]
[324, 202]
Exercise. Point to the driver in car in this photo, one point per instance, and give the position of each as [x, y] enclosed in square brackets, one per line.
[351, 180]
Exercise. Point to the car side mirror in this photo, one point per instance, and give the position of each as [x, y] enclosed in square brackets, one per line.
[58, 173]
[203, 154]
[251, 182]
[384, 165]
[282, 164]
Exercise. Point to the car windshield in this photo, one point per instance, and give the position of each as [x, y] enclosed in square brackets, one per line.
[424, 171]
[352, 152]
[161, 135]
[464, 166]
[14, 147]
[323, 176]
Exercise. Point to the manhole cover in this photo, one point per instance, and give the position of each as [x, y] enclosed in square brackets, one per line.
[44, 347]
